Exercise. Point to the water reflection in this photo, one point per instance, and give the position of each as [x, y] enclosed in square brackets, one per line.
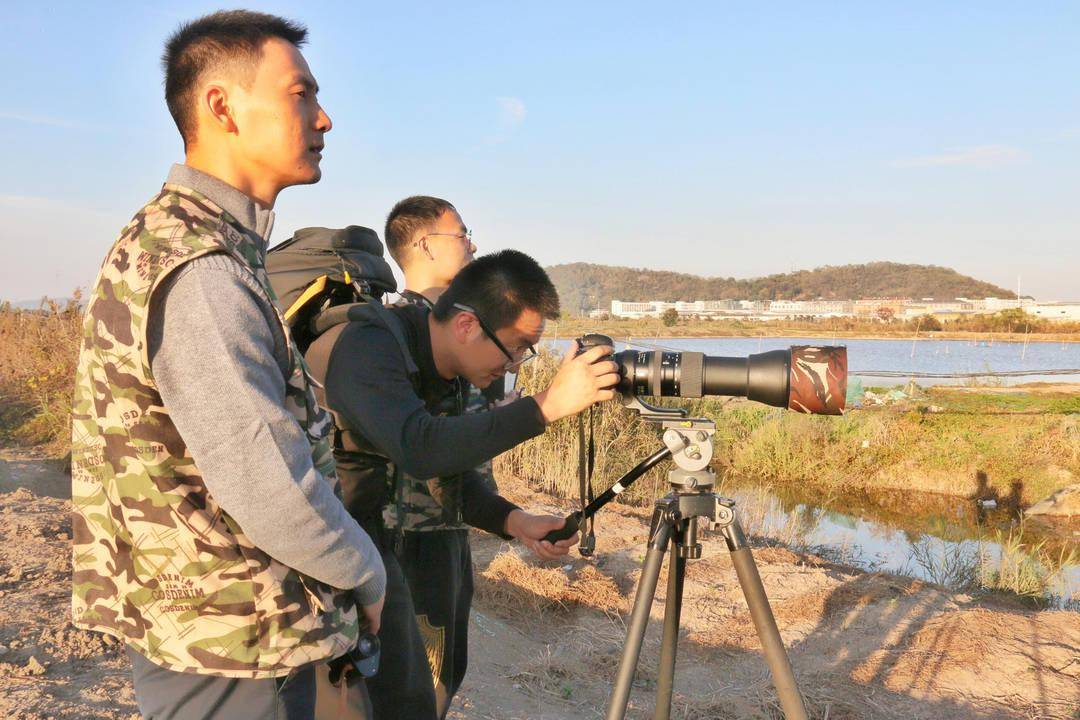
[959, 543]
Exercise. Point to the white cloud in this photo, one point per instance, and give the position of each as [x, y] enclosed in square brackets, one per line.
[27, 201]
[511, 111]
[511, 116]
[41, 120]
[982, 157]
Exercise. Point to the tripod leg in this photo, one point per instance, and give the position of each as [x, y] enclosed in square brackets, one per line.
[761, 613]
[672, 613]
[639, 615]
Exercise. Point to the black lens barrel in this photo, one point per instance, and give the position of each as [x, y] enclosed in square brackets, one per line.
[768, 377]
[763, 377]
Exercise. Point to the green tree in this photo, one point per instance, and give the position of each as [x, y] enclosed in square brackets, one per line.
[928, 323]
[669, 317]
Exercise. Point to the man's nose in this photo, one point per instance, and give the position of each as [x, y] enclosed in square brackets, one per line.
[322, 122]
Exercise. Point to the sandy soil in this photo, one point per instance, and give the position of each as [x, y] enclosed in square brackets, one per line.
[546, 639]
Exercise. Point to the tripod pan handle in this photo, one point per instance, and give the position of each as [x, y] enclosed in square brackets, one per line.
[567, 530]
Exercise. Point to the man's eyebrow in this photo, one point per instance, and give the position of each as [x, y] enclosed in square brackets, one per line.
[308, 82]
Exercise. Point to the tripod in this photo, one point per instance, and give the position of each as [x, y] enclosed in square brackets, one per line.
[674, 531]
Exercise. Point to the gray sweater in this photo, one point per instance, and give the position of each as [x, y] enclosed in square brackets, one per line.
[220, 358]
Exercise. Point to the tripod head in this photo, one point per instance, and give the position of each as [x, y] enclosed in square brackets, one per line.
[688, 442]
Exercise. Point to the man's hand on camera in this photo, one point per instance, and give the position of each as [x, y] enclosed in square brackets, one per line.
[581, 381]
[373, 614]
[529, 529]
[511, 396]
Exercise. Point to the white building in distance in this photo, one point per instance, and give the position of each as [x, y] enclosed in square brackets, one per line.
[900, 308]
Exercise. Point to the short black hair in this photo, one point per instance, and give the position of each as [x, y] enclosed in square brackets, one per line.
[419, 212]
[227, 36]
[499, 287]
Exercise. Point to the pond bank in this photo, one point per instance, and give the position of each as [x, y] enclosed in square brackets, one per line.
[963, 544]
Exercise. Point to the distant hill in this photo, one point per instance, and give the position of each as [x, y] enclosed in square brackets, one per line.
[583, 286]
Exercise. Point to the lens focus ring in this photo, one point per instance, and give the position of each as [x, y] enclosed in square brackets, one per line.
[690, 374]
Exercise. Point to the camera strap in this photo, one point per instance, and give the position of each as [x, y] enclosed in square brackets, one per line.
[586, 462]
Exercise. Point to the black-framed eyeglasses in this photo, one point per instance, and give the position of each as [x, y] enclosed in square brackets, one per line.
[512, 364]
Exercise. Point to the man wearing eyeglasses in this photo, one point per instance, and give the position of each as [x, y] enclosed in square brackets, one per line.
[395, 382]
[430, 243]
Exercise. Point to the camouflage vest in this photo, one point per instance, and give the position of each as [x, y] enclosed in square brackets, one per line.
[156, 562]
[427, 505]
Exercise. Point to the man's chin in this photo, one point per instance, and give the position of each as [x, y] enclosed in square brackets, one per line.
[309, 174]
[484, 380]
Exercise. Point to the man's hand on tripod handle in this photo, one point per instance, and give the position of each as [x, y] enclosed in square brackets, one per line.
[533, 531]
[569, 529]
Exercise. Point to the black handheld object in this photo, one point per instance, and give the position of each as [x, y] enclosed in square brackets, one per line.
[571, 527]
[573, 520]
[362, 659]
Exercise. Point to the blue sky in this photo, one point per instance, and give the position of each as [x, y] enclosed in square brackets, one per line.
[723, 139]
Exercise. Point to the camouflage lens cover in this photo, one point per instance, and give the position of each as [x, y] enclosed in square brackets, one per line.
[818, 379]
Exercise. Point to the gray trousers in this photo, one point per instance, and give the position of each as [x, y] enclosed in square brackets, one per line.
[169, 695]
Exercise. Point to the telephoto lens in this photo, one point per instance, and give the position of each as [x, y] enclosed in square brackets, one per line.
[803, 378]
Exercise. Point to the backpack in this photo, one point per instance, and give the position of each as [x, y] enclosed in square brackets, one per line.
[321, 268]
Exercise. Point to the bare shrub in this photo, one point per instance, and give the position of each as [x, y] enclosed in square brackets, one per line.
[38, 354]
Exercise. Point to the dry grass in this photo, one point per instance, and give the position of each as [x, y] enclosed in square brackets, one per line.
[38, 354]
[519, 591]
[585, 654]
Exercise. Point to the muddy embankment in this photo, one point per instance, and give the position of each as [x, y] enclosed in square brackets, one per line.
[545, 638]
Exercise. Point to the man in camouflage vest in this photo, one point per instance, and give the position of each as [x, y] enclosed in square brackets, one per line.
[395, 381]
[208, 532]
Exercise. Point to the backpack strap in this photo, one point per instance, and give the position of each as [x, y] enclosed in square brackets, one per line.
[374, 312]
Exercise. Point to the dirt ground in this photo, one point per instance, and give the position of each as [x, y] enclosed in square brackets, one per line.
[546, 639]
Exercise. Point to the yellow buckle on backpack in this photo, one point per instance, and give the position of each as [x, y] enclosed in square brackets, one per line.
[313, 289]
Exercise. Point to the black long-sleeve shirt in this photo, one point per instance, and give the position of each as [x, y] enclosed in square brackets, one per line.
[368, 387]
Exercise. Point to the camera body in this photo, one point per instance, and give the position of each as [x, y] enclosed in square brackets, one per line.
[361, 660]
[590, 340]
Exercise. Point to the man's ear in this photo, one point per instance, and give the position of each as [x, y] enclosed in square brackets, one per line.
[217, 109]
[421, 247]
[463, 325]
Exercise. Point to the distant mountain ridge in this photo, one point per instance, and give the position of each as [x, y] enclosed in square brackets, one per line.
[584, 286]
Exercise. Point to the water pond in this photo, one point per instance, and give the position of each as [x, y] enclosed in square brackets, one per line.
[956, 542]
